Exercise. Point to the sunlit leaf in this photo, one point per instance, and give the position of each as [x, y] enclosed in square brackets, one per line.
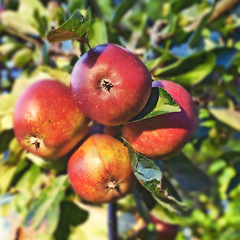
[18, 22]
[74, 28]
[22, 57]
[228, 116]
[98, 33]
[150, 176]
[160, 102]
[95, 227]
[11, 165]
[71, 216]
[44, 212]
[189, 70]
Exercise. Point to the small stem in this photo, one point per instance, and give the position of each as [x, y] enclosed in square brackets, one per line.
[88, 44]
[112, 221]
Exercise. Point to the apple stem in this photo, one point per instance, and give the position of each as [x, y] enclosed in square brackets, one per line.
[88, 44]
[112, 221]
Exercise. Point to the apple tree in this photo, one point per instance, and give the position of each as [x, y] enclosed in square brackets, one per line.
[177, 65]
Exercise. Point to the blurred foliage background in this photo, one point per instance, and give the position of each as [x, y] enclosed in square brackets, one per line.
[194, 43]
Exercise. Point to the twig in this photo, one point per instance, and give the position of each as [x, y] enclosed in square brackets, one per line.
[23, 36]
[112, 221]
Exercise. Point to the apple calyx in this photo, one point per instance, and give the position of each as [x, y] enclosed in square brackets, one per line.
[106, 85]
[114, 185]
[34, 140]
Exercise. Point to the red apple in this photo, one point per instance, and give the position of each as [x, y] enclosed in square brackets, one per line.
[46, 120]
[164, 135]
[110, 85]
[165, 231]
[100, 170]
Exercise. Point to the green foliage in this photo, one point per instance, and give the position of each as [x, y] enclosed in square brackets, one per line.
[182, 41]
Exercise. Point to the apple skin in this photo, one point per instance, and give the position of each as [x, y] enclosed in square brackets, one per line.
[165, 231]
[162, 230]
[110, 85]
[163, 136]
[100, 170]
[46, 121]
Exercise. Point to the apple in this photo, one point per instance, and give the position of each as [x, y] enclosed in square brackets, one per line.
[165, 231]
[110, 85]
[164, 135]
[162, 230]
[46, 121]
[100, 170]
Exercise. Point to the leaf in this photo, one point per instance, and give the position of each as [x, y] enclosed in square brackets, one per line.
[29, 178]
[71, 216]
[18, 22]
[187, 174]
[11, 165]
[22, 57]
[178, 6]
[160, 102]
[74, 28]
[31, 18]
[196, 36]
[150, 176]
[189, 70]
[98, 33]
[44, 211]
[7, 48]
[121, 10]
[95, 227]
[228, 116]
[5, 139]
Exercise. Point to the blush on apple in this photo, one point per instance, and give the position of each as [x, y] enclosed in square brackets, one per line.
[46, 120]
[165, 231]
[100, 170]
[110, 85]
[164, 135]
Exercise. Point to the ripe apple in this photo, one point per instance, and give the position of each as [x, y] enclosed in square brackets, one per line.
[110, 85]
[46, 120]
[165, 231]
[164, 135]
[100, 170]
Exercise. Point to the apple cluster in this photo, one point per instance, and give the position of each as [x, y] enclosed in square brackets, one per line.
[110, 86]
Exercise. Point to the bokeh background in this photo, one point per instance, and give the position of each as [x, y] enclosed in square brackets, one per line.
[194, 43]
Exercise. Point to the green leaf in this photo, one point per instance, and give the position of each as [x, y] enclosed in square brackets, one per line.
[121, 10]
[98, 33]
[95, 227]
[58, 164]
[44, 212]
[74, 28]
[5, 139]
[196, 36]
[159, 62]
[228, 116]
[22, 57]
[28, 180]
[189, 70]
[10, 166]
[188, 175]
[7, 48]
[71, 216]
[31, 18]
[150, 176]
[18, 22]
[178, 6]
[160, 102]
